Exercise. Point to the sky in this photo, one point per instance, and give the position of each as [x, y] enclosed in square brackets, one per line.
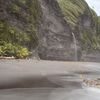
[94, 4]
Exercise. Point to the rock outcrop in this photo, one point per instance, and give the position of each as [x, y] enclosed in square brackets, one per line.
[56, 30]
[56, 40]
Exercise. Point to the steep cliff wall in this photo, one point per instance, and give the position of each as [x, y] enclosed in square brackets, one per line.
[47, 26]
[56, 38]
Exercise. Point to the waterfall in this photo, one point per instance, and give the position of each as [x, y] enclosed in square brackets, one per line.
[75, 46]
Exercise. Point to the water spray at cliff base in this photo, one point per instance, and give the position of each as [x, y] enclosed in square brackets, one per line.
[75, 46]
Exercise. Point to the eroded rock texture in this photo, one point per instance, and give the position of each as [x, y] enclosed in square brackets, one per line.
[55, 34]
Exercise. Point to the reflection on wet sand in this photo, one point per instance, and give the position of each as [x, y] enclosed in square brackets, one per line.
[45, 80]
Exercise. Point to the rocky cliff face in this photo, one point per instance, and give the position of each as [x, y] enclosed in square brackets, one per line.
[18, 21]
[61, 18]
[47, 25]
[55, 34]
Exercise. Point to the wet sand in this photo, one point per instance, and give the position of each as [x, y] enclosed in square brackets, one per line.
[45, 80]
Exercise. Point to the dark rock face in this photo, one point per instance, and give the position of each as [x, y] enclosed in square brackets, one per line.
[56, 41]
[85, 22]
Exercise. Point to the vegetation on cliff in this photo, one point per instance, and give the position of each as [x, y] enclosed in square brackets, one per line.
[73, 11]
[91, 37]
[18, 29]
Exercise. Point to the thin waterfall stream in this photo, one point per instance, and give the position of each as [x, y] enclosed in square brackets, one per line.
[75, 46]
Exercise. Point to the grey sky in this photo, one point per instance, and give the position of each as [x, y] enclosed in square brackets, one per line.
[95, 4]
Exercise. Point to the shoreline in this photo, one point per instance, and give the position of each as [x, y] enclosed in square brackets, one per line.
[2, 57]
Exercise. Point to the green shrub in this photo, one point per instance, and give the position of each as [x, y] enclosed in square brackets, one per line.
[1, 51]
[12, 34]
[14, 8]
[15, 35]
[22, 1]
[22, 52]
[9, 50]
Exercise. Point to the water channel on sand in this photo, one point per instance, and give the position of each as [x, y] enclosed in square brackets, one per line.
[47, 80]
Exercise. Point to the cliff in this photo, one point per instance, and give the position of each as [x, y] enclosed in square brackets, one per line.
[56, 30]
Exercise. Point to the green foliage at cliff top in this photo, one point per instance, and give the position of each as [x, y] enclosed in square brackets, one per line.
[15, 50]
[72, 9]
